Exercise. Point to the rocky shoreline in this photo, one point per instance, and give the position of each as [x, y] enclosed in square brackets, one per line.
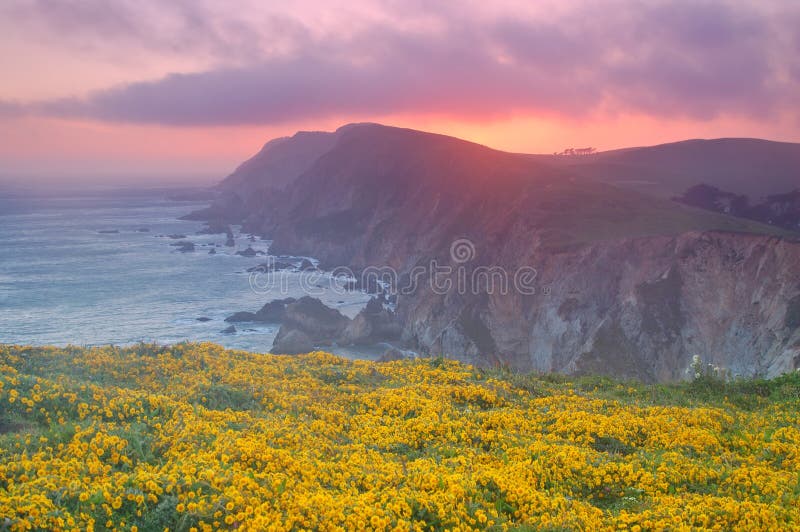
[306, 323]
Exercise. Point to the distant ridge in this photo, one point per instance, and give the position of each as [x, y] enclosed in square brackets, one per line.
[752, 167]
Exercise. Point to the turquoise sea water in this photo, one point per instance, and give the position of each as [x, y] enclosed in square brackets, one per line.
[62, 281]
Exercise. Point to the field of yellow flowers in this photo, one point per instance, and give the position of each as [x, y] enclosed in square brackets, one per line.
[196, 437]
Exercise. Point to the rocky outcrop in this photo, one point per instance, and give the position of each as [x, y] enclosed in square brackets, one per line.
[310, 320]
[242, 316]
[249, 252]
[292, 342]
[184, 246]
[323, 325]
[392, 355]
[373, 324]
[309, 316]
[272, 312]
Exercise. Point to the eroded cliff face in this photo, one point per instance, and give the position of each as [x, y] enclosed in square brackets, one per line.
[633, 307]
[627, 283]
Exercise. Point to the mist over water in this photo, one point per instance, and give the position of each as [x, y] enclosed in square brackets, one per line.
[62, 281]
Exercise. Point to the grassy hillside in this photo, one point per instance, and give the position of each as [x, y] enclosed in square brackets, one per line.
[753, 167]
[194, 437]
[380, 195]
[585, 214]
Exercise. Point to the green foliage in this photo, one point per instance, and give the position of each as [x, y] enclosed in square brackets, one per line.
[431, 522]
[611, 445]
[222, 397]
[162, 515]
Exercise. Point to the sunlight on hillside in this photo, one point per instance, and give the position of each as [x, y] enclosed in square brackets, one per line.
[195, 437]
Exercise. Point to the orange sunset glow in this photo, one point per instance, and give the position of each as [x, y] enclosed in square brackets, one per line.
[183, 92]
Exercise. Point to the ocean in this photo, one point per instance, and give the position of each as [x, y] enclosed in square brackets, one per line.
[98, 267]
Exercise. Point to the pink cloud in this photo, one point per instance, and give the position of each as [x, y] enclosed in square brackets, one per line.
[690, 59]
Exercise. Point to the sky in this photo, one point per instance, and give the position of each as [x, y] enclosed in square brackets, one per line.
[183, 91]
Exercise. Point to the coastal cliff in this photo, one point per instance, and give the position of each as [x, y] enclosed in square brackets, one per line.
[625, 283]
[633, 307]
